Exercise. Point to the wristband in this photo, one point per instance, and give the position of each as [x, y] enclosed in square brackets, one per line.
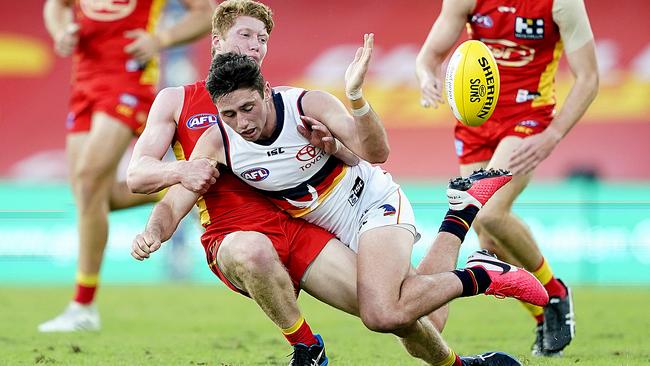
[361, 111]
[354, 95]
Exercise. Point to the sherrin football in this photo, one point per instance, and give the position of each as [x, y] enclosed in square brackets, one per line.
[472, 83]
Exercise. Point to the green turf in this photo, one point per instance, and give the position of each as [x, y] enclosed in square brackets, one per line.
[209, 325]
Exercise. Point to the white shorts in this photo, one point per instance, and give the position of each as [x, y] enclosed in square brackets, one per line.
[366, 198]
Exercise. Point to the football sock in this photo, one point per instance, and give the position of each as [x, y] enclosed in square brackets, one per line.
[300, 332]
[458, 222]
[85, 288]
[458, 361]
[475, 280]
[545, 275]
[536, 311]
[451, 360]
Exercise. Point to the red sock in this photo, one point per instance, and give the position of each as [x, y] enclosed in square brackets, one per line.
[555, 288]
[84, 294]
[458, 362]
[300, 333]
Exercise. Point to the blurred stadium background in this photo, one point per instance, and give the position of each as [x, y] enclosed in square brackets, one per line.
[589, 206]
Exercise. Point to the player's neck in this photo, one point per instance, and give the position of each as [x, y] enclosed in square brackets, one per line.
[271, 122]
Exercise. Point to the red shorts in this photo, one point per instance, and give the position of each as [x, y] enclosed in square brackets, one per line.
[128, 102]
[296, 241]
[476, 144]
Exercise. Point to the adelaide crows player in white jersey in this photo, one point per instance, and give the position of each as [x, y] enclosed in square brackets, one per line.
[259, 141]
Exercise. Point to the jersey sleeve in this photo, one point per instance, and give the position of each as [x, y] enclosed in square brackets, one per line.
[571, 17]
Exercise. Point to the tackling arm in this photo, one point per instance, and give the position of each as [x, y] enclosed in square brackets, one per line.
[163, 221]
[443, 35]
[147, 172]
[210, 147]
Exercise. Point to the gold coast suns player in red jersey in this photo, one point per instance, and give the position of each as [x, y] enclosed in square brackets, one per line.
[527, 39]
[250, 245]
[114, 44]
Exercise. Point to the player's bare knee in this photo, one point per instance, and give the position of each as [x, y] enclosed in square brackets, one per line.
[89, 191]
[383, 320]
[248, 252]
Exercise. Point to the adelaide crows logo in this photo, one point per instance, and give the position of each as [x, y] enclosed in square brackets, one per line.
[389, 210]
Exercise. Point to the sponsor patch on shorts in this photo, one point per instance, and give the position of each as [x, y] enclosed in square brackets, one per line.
[69, 120]
[459, 147]
[128, 99]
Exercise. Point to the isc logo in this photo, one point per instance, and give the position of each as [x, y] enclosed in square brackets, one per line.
[255, 174]
[199, 121]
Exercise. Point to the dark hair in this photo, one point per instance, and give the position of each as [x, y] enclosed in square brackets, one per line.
[232, 71]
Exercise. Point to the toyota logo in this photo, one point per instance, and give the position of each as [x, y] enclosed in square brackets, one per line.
[307, 153]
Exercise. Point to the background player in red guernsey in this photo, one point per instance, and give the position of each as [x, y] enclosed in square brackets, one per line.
[527, 39]
[115, 68]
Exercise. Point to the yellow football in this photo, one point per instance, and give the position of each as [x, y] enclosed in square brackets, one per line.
[472, 83]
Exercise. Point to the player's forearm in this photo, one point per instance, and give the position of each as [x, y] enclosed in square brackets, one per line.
[149, 175]
[582, 93]
[371, 135]
[429, 60]
[57, 16]
[193, 25]
[162, 222]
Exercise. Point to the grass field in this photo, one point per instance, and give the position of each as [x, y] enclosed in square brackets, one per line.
[208, 325]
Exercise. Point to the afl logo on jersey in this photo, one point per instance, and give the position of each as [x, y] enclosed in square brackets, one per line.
[199, 121]
[107, 10]
[255, 174]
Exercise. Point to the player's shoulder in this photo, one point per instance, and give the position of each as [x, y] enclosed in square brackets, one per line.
[172, 93]
[319, 103]
[459, 6]
[318, 96]
[283, 88]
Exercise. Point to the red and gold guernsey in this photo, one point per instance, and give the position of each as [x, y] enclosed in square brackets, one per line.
[526, 44]
[102, 39]
[230, 204]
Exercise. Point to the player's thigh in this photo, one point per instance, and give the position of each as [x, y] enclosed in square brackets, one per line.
[467, 169]
[332, 277]
[383, 262]
[104, 146]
